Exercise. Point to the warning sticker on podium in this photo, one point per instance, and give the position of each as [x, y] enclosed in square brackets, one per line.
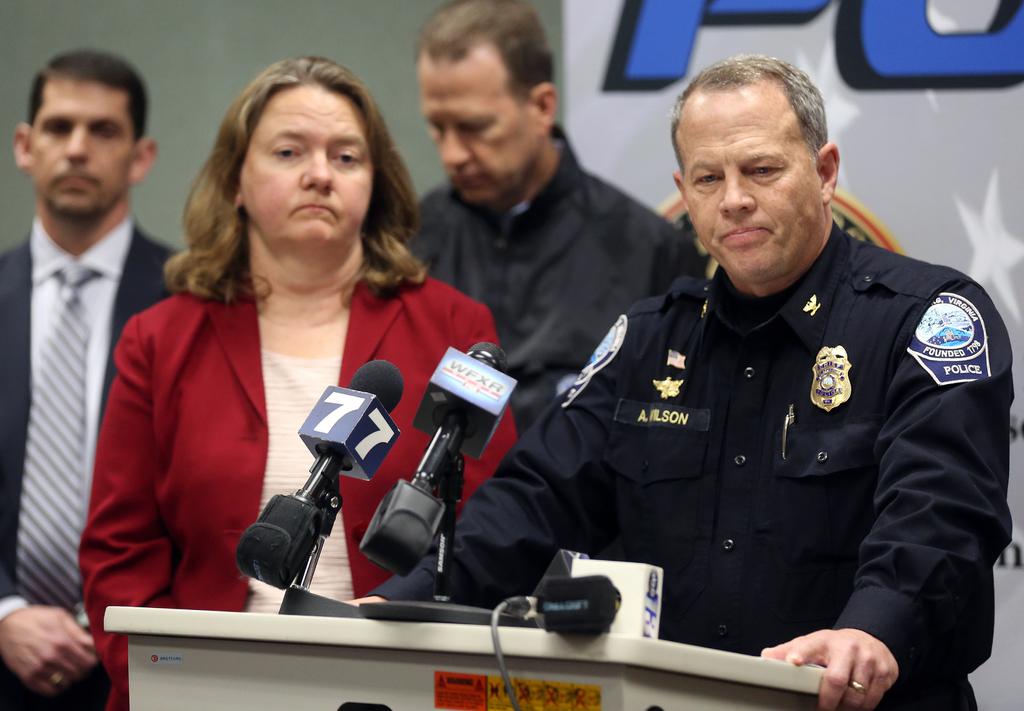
[454, 691]
[539, 695]
[460, 692]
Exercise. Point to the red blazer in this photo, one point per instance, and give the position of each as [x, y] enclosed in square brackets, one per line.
[183, 447]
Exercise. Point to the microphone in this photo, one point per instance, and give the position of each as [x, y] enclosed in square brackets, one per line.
[640, 590]
[465, 399]
[461, 409]
[585, 605]
[349, 432]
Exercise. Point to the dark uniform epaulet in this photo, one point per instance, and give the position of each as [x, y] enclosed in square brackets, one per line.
[688, 286]
[684, 287]
[874, 267]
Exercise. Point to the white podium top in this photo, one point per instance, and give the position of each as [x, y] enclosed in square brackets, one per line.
[464, 639]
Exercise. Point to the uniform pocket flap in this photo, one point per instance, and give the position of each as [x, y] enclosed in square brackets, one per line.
[648, 453]
[828, 450]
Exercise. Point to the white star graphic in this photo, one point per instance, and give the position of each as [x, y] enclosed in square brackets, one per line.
[841, 111]
[940, 22]
[996, 251]
[948, 17]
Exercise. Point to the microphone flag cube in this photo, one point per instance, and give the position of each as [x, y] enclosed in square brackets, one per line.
[478, 389]
[353, 425]
[640, 586]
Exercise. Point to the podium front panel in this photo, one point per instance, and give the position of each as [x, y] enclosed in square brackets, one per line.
[251, 662]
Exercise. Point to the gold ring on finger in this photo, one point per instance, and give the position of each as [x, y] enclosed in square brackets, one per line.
[858, 687]
[57, 679]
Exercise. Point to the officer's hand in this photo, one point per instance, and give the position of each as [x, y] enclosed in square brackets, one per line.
[372, 598]
[46, 648]
[859, 668]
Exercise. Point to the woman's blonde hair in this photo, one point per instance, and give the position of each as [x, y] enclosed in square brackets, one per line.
[215, 264]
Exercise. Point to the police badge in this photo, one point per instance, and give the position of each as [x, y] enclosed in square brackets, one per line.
[831, 385]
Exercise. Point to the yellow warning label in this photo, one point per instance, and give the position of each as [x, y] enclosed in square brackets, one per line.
[539, 695]
[460, 692]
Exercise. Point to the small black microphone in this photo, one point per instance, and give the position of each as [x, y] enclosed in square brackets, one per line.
[586, 604]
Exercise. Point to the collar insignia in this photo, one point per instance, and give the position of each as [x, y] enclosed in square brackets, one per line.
[812, 305]
[831, 385]
[676, 359]
[668, 387]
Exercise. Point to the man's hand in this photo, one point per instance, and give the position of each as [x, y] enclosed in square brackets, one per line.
[46, 648]
[859, 668]
[372, 598]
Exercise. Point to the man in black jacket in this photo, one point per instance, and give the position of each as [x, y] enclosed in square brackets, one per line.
[65, 294]
[554, 252]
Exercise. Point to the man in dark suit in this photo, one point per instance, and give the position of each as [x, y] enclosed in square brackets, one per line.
[83, 147]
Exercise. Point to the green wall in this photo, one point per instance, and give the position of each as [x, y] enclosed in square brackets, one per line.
[195, 56]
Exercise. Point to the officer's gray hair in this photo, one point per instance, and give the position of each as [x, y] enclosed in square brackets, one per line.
[747, 69]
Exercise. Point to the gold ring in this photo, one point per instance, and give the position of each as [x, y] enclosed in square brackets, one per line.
[57, 679]
[858, 687]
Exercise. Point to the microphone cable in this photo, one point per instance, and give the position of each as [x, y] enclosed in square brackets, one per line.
[520, 606]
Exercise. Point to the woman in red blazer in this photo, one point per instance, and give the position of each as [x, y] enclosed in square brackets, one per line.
[296, 231]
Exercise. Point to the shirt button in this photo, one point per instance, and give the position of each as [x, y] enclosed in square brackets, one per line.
[722, 630]
[867, 278]
[823, 457]
[728, 544]
[748, 372]
[740, 460]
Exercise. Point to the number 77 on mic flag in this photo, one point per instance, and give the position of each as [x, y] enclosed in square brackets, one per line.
[353, 425]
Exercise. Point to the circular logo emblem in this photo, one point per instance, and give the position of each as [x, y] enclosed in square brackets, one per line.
[945, 326]
[153, 658]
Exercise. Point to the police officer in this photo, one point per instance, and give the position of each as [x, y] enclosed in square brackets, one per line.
[813, 445]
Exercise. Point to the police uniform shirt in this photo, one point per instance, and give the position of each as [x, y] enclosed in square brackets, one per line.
[885, 514]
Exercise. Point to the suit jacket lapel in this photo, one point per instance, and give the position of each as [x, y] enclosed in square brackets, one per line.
[15, 366]
[141, 286]
[368, 321]
[237, 329]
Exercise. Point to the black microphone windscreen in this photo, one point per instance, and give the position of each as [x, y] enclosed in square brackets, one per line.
[490, 354]
[585, 604]
[381, 378]
[275, 548]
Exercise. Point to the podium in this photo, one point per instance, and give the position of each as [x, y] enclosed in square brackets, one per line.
[196, 659]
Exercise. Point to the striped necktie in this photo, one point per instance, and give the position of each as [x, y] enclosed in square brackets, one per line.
[52, 496]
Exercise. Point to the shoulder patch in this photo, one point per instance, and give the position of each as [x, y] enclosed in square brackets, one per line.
[950, 342]
[602, 356]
